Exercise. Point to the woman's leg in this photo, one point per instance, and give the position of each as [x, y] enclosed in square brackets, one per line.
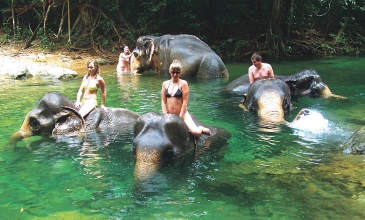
[196, 130]
[87, 107]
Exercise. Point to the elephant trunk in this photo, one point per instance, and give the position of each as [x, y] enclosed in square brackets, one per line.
[270, 108]
[326, 93]
[147, 163]
[18, 136]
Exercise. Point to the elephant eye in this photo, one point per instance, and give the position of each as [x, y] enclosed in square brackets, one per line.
[34, 124]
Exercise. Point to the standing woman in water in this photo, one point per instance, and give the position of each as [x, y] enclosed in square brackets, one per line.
[175, 94]
[91, 82]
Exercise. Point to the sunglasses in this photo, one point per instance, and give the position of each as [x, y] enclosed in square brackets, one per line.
[175, 72]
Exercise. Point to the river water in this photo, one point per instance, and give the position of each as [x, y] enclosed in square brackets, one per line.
[260, 174]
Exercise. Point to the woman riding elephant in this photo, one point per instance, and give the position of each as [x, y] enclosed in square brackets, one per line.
[89, 86]
[175, 93]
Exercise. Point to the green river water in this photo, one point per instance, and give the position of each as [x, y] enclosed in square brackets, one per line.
[259, 174]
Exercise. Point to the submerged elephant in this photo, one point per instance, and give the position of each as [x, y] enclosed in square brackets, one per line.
[196, 57]
[164, 139]
[271, 99]
[55, 114]
[303, 83]
[356, 143]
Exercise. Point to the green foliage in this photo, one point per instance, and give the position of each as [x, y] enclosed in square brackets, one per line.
[233, 28]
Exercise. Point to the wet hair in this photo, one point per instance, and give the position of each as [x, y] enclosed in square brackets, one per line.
[175, 66]
[256, 56]
[96, 65]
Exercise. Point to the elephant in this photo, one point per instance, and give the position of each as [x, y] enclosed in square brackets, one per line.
[304, 83]
[356, 143]
[271, 99]
[162, 139]
[54, 114]
[196, 57]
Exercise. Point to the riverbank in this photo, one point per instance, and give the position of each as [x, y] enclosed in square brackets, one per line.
[62, 58]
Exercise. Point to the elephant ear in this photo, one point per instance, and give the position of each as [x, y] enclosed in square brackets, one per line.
[68, 120]
[149, 44]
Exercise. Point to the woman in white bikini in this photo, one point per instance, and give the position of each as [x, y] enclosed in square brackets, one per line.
[123, 63]
[175, 93]
[89, 86]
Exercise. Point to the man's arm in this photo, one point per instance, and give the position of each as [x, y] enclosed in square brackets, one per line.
[250, 75]
[271, 72]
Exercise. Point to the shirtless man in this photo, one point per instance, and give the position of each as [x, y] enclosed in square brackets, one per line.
[259, 70]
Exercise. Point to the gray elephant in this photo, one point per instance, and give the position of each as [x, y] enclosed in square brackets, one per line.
[271, 99]
[304, 83]
[161, 139]
[356, 143]
[55, 114]
[196, 57]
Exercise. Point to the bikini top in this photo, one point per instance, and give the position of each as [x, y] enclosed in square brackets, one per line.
[90, 85]
[178, 93]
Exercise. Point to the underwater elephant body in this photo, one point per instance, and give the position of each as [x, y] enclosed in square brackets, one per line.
[55, 114]
[161, 139]
[196, 57]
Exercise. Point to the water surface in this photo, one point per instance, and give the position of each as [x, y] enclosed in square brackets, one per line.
[260, 174]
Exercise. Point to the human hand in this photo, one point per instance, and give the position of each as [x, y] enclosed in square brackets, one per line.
[104, 108]
[78, 104]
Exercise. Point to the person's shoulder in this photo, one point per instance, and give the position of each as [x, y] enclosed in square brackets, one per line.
[184, 82]
[99, 77]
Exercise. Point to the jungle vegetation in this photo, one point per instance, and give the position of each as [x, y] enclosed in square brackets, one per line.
[233, 28]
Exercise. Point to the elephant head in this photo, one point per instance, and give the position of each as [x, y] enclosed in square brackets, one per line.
[48, 115]
[161, 139]
[142, 55]
[270, 98]
[308, 83]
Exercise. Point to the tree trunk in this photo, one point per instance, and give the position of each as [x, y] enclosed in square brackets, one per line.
[62, 19]
[274, 42]
[290, 19]
[13, 17]
[340, 32]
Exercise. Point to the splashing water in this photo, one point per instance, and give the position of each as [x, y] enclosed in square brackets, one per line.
[311, 121]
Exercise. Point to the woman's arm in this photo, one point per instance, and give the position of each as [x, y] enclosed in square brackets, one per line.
[185, 92]
[79, 94]
[103, 91]
[163, 99]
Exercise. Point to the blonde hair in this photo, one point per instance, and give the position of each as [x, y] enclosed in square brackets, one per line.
[96, 65]
[175, 65]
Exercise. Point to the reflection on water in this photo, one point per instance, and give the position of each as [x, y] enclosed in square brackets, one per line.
[266, 172]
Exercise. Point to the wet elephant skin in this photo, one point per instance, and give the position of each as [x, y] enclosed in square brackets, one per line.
[303, 83]
[55, 114]
[196, 57]
[161, 139]
[270, 98]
